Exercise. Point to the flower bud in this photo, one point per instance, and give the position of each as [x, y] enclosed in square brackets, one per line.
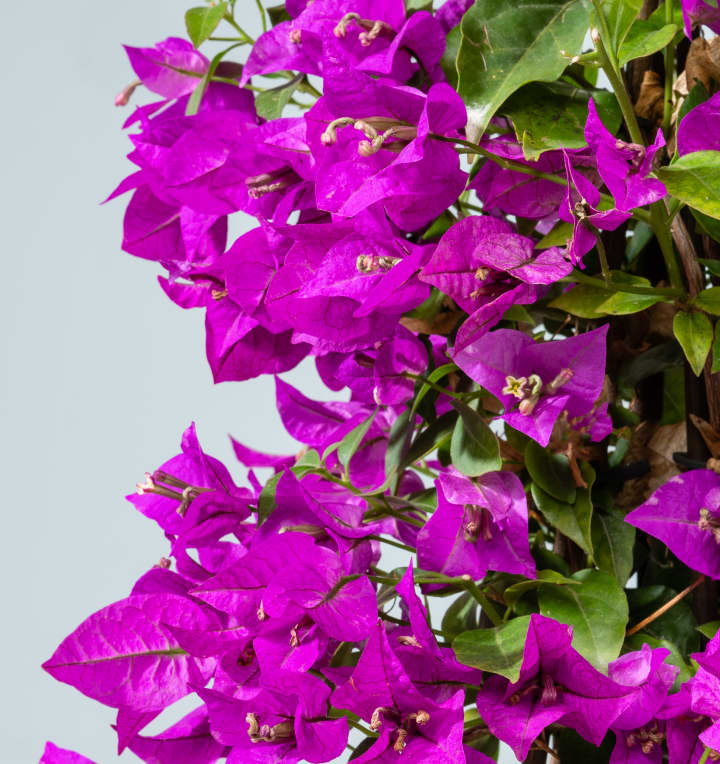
[123, 97]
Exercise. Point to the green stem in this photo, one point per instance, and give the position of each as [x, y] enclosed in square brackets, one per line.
[604, 267]
[658, 215]
[604, 31]
[705, 755]
[262, 15]
[392, 542]
[425, 381]
[335, 713]
[230, 20]
[469, 206]
[674, 207]
[487, 606]
[322, 676]
[306, 87]
[611, 69]
[507, 164]
[326, 475]
[404, 518]
[660, 224]
[226, 80]
[580, 278]
[669, 72]
[425, 471]
[510, 164]
[342, 581]
[389, 580]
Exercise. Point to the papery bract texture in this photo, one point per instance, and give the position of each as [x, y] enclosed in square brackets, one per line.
[125, 654]
[684, 514]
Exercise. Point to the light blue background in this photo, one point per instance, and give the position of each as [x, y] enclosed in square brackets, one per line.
[102, 372]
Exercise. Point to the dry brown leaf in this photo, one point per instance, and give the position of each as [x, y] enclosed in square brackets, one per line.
[442, 323]
[661, 318]
[703, 63]
[709, 434]
[656, 444]
[650, 102]
[665, 441]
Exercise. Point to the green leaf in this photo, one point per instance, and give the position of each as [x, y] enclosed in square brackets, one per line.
[202, 22]
[694, 332]
[449, 59]
[697, 95]
[663, 356]
[573, 520]
[572, 748]
[460, 616]
[266, 500]
[710, 227]
[196, 96]
[308, 462]
[597, 610]
[362, 747]
[545, 558]
[709, 300]
[695, 180]
[427, 441]
[713, 266]
[398, 442]
[498, 650]
[716, 350]
[644, 40]
[709, 629]
[513, 593]
[620, 16]
[412, 6]
[644, 36]
[659, 358]
[582, 301]
[642, 235]
[678, 625]
[621, 448]
[519, 314]
[278, 14]
[613, 542]
[673, 396]
[506, 45]
[551, 472]
[624, 303]
[474, 448]
[557, 237]
[593, 302]
[351, 442]
[435, 376]
[439, 226]
[552, 116]
[269, 104]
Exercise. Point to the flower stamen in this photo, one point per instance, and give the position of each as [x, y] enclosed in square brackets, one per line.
[709, 522]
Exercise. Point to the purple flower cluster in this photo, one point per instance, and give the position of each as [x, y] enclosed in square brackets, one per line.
[273, 607]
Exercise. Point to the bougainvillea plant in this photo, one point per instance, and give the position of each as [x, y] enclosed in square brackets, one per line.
[496, 227]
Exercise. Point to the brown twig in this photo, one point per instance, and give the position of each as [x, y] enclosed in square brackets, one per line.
[574, 466]
[543, 746]
[665, 607]
[688, 255]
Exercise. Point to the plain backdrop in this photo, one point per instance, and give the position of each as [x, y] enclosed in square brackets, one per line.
[101, 372]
